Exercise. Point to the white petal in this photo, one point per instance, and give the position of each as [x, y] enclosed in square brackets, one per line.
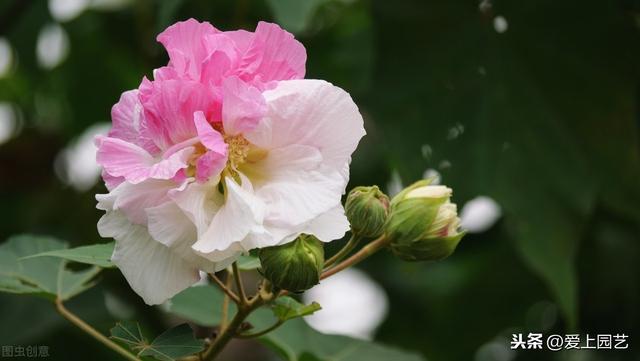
[200, 202]
[134, 199]
[170, 226]
[313, 113]
[241, 215]
[152, 270]
[294, 198]
[329, 226]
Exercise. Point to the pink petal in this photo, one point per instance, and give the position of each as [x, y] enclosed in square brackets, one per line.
[214, 160]
[221, 59]
[169, 106]
[129, 122]
[209, 137]
[184, 42]
[243, 106]
[123, 159]
[274, 54]
[209, 164]
[110, 181]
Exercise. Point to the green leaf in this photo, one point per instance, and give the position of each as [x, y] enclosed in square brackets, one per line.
[286, 308]
[95, 254]
[296, 341]
[47, 277]
[174, 343]
[248, 263]
[200, 304]
[130, 334]
[170, 345]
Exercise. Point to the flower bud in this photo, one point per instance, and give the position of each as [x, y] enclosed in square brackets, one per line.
[367, 209]
[423, 224]
[295, 266]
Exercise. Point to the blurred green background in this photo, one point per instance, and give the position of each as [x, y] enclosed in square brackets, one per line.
[532, 106]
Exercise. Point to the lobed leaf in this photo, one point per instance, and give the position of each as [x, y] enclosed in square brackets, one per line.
[172, 344]
[47, 277]
[95, 254]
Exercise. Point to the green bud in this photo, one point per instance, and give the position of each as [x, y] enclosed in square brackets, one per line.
[295, 266]
[367, 209]
[423, 224]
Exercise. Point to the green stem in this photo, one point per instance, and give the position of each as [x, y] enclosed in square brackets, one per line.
[351, 244]
[225, 301]
[363, 253]
[236, 275]
[231, 330]
[224, 288]
[261, 333]
[93, 332]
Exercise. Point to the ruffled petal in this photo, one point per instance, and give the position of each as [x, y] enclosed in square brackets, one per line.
[170, 226]
[296, 185]
[134, 199]
[313, 113]
[169, 106]
[129, 123]
[243, 106]
[222, 58]
[185, 43]
[240, 217]
[200, 202]
[152, 269]
[273, 54]
[122, 159]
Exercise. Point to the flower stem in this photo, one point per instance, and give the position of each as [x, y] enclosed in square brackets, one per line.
[93, 332]
[261, 333]
[351, 244]
[241, 293]
[224, 288]
[225, 301]
[363, 253]
[231, 330]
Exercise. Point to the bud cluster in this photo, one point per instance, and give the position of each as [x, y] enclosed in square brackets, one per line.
[418, 224]
[423, 225]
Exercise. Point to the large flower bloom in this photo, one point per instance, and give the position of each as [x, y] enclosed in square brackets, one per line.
[227, 149]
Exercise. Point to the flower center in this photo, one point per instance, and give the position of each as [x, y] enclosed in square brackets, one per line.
[238, 150]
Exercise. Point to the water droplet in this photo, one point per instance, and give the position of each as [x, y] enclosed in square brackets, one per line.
[444, 164]
[426, 151]
[485, 6]
[52, 46]
[455, 131]
[500, 24]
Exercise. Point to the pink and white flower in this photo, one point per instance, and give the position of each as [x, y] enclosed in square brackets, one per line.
[227, 149]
